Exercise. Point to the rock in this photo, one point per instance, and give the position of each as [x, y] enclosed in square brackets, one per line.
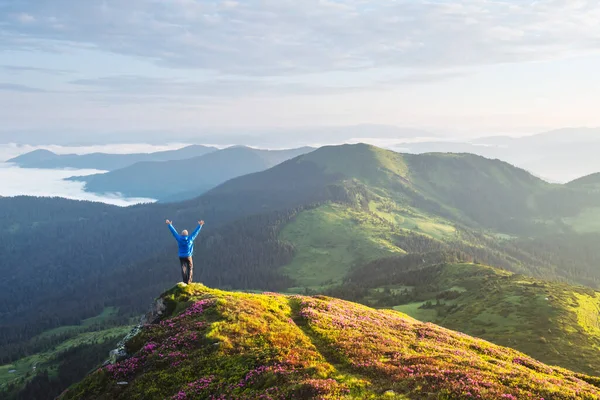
[153, 316]
[156, 311]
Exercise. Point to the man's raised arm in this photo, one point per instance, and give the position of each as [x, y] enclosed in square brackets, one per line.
[173, 231]
[198, 229]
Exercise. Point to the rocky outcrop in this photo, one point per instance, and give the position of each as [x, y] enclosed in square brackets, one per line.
[151, 317]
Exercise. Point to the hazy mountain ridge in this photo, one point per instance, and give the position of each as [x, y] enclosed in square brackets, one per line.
[561, 155]
[589, 180]
[266, 138]
[180, 180]
[103, 161]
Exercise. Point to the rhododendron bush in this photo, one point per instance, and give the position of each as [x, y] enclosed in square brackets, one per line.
[220, 345]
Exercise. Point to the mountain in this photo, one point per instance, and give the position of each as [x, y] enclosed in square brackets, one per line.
[103, 161]
[302, 226]
[212, 344]
[304, 208]
[559, 156]
[553, 322]
[33, 157]
[557, 136]
[589, 181]
[184, 179]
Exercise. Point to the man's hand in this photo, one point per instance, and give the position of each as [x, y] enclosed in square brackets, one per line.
[200, 223]
[168, 222]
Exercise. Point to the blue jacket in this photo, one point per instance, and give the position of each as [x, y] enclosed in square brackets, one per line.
[186, 243]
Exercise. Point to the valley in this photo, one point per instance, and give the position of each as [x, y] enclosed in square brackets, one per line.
[471, 244]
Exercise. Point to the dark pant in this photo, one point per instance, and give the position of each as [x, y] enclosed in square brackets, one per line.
[187, 267]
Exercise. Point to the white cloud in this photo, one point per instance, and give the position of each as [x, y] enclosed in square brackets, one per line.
[25, 18]
[51, 183]
[282, 37]
[132, 88]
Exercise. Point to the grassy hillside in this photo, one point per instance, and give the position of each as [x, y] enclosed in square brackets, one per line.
[553, 322]
[330, 240]
[215, 344]
[462, 187]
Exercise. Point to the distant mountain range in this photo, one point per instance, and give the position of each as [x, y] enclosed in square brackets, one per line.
[103, 161]
[179, 180]
[560, 156]
[266, 138]
[557, 156]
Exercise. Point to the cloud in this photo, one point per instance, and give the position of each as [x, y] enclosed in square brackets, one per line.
[423, 77]
[15, 69]
[124, 88]
[51, 183]
[13, 87]
[25, 18]
[285, 37]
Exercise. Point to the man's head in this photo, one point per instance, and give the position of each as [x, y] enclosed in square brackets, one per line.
[184, 232]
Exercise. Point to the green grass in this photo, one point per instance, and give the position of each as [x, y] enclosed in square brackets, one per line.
[587, 221]
[70, 329]
[330, 240]
[556, 323]
[588, 313]
[408, 219]
[364, 162]
[106, 314]
[250, 346]
[333, 238]
[415, 311]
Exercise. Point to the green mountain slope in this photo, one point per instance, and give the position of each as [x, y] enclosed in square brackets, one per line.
[179, 180]
[214, 344]
[104, 161]
[465, 188]
[553, 322]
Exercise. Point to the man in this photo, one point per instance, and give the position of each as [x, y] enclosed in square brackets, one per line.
[186, 249]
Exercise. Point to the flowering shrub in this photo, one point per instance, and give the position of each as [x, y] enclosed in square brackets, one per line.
[419, 356]
[225, 346]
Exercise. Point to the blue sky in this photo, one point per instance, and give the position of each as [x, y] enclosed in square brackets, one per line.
[472, 67]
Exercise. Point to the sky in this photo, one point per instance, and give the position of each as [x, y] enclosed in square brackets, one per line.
[94, 68]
